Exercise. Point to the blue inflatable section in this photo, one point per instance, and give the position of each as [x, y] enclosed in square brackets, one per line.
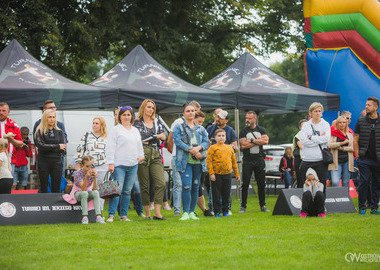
[341, 72]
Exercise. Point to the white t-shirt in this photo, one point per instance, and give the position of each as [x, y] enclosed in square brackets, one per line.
[4, 170]
[124, 146]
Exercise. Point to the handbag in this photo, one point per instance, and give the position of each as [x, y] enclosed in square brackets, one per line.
[327, 157]
[109, 188]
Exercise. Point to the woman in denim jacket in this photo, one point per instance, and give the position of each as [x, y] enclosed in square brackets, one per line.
[190, 140]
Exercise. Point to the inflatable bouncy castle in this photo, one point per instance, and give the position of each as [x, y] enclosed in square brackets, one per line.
[343, 55]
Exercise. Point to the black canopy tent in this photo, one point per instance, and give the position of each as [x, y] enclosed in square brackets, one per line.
[260, 89]
[25, 83]
[138, 76]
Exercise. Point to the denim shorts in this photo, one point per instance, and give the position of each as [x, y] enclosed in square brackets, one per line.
[20, 174]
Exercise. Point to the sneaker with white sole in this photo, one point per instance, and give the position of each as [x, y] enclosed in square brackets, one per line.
[85, 220]
[229, 213]
[100, 220]
[125, 219]
[242, 210]
[185, 216]
[167, 207]
[192, 216]
[110, 219]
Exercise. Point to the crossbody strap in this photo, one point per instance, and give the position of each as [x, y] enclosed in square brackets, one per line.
[320, 147]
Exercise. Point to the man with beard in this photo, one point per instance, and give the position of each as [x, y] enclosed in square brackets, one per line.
[367, 152]
[252, 138]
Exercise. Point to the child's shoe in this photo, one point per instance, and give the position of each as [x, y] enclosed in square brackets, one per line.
[218, 215]
[100, 219]
[85, 220]
[322, 215]
[226, 214]
[303, 215]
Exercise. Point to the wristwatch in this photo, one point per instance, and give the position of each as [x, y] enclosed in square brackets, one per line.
[251, 140]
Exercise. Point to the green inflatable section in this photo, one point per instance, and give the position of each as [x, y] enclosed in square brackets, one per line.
[343, 22]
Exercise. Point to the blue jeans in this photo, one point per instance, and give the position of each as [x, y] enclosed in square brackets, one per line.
[342, 170]
[136, 196]
[126, 176]
[20, 174]
[369, 168]
[287, 179]
[177, 188]
[190, 185]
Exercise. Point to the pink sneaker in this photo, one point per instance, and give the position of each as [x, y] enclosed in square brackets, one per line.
[303, 215]
[322, 215]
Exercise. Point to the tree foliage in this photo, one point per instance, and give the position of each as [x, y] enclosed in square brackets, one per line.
[194, 39]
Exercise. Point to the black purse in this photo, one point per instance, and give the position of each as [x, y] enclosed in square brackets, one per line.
[327, 157]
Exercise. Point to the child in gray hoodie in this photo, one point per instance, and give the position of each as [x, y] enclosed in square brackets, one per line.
[313, 199]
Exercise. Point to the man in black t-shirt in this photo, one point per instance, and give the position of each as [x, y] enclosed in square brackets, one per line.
[251, 139]
[367, 152]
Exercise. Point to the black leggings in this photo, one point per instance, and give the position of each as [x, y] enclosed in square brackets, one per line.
[311, 206]
[50, 166]
[6, 185]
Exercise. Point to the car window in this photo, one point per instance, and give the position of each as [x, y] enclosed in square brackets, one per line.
[274, 152]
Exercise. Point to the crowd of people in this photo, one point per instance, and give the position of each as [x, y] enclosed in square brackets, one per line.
[203, 158]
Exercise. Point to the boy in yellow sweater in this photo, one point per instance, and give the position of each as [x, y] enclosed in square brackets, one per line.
[220, 162]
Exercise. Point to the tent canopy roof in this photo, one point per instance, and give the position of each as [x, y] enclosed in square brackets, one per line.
[25, 83]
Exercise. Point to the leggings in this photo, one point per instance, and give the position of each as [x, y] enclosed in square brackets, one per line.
[50, 166]
[84, 197]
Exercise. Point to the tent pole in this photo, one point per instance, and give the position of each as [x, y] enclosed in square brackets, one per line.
[238, 153]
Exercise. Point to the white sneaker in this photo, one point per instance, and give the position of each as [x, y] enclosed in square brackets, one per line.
[110, 219]
[229, 213]
[167, 207]
[85, 220]
[125, 219]
[100, 220]
[151, 207]
[142, 215]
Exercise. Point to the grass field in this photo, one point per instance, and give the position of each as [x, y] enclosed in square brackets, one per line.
[253, 240]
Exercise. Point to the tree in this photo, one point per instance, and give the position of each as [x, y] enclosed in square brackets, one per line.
[193, 39]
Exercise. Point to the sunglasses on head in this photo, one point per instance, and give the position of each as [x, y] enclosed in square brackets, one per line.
[126, 108]
[348, 118]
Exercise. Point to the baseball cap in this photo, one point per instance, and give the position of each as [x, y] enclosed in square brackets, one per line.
[222, 114]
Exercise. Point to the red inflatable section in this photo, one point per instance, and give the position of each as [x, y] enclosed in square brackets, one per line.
[353, 39]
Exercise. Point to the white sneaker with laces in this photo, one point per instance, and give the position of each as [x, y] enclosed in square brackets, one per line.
[100, 220]
[85, 220]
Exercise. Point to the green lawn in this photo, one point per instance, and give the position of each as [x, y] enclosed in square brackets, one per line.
[253, 240]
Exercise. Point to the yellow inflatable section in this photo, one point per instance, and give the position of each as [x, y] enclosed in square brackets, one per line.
[369, 8]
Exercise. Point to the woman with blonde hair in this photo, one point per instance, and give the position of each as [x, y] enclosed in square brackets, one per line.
[315, 135]
[341, 145]
[152, 133]
[51, 143]
[93, 143]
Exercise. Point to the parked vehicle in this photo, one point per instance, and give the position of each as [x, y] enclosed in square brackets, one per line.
[273, 155]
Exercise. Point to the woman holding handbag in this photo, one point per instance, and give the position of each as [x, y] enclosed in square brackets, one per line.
[190, 140]
[341, 145]
[93, 143]
[85, 190]
[152, 133]
[51, 143]
[315, 135]
[124, 152]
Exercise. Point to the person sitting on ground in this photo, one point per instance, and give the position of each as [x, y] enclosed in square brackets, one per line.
[85, 190]
[220, 162]
[313, 198]
[20, 167]
[287, 167]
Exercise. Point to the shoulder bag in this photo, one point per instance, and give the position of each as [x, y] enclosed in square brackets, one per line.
[327, 157]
